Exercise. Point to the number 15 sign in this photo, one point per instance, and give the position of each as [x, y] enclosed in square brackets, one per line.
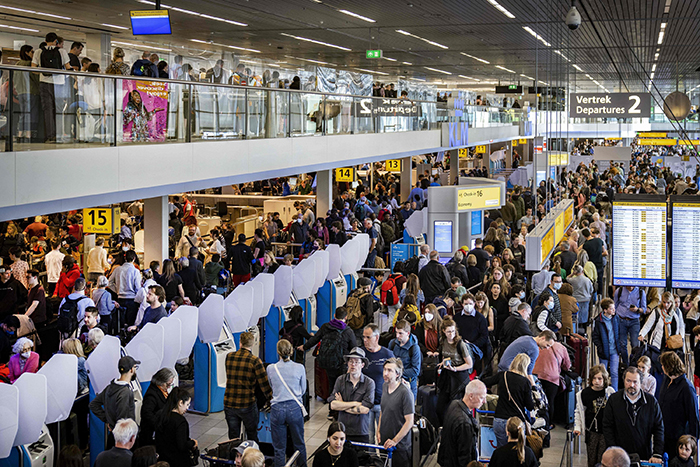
[101, 220]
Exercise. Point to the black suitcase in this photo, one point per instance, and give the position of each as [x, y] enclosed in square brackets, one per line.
[428, 371]
[565, 403]
[427, 403]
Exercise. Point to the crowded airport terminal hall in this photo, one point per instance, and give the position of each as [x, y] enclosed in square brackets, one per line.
[229, 238]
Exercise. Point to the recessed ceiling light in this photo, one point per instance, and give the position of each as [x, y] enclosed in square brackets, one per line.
[225, 45]
[504, 69]
[142, 46]
[194, 13]
[577, 67]
[113, 26]
[51, 15]
[355, 15]
[437, 71]
[661, 37]
[374, 72]
[310, 60]
[537, 36]
[407, 63]
[390, 59]
[500, 8]
[558, 52]
[17, 28]
[469, 77]
[406, 33]
[653, 67]
[475, 58]
[306, 39]
[528, 77]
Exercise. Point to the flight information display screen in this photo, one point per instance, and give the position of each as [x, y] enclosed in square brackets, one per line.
[685, 245]
[150, 22]
[443, 236]
[639, 242]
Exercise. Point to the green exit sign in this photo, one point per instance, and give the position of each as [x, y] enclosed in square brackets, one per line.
[513, 86]
[374, 54]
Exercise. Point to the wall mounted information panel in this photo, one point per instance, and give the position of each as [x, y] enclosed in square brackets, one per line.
[685, 242]
[639, 241]
[442, 234]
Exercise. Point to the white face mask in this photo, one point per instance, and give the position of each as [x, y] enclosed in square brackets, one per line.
[468, 307]
[125, 248]
[550, 305]
[25, 355]
[428, 317]
[522, 295]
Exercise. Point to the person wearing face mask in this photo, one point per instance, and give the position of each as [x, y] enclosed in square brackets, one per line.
[36, 299]
[116, 401]
[543, 318]
[553, 290]
[473, 327]
[154, 400]
[517, 325]
[23, 360]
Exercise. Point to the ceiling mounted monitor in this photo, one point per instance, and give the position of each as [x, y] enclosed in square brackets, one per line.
[150, 22]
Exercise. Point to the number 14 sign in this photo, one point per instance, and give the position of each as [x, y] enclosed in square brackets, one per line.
[101, 220]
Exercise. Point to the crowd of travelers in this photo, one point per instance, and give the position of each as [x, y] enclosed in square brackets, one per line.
[425, 344]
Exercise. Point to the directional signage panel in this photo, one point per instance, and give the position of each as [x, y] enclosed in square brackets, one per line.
[685, 245]
[610, 105]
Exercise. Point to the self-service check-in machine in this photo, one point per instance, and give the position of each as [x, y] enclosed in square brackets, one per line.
[27, 408]
[352, 257]
[303, 283]
[147, 347]
[214, 342]
[61, 373]
[266, 286]
[334, 291]
[282, 302]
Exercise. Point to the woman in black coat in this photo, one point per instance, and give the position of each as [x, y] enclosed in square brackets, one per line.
[295, 328]
[153, 401]
[173, 442]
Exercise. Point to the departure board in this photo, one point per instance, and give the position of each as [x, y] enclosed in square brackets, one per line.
[639, 242]
[685, 245]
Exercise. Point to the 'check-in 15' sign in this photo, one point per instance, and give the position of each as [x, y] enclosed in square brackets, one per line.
[609, 105]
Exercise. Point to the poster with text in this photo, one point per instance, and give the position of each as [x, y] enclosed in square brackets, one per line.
[145, 105]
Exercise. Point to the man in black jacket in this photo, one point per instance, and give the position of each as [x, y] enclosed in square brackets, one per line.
[516, 325]
[633, 420]
[116, 401]
[434, 278]
[460, 430]
[241, 261]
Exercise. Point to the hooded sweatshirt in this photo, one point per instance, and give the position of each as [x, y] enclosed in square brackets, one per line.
[347, 337]
[411, 357]
[114, 403]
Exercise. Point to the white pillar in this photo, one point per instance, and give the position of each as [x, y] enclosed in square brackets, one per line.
[155, 226]
[406, 177]
[324, 192]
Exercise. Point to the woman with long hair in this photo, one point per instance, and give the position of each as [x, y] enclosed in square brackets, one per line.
[427, 331]
[173, 442]
[171, 281]
[516, 453]
[135, 112]
[508, 258]
[491, 238]
[335, 454]
[497, 296]
[413, 287]
[664, 325]
[408, 311]
[590, 408]
[498, 276]
[677, 400]
[295, 329]
[456, 362]
[589, 269]
[482, 305]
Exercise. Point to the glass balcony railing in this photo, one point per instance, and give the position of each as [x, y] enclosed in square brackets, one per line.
[46, 109]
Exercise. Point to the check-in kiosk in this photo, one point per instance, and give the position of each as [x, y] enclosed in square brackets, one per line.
[9, 423]
[450, 212]
[214, 342]
[61, 372]
[303, 282]
[147, 347]
[320, 258]
[333, 292]
[256, 314]
[267, 281]
[172, 343]
[27, 405]
[282, 302]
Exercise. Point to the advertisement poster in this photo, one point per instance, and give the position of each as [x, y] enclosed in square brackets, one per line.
[145, 105]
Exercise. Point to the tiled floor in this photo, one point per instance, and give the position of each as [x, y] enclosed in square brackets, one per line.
[212, 429]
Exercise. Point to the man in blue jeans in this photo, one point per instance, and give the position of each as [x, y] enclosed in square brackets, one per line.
[630, 304]
[607, 339]
[244, 372]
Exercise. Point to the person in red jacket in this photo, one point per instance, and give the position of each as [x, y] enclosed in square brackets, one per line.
[69, 273]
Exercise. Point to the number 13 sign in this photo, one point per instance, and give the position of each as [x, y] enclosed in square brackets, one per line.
[393, 165]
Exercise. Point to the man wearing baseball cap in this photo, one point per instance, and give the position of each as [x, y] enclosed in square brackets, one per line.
[354, 397]
[242, 447]
[117, 399]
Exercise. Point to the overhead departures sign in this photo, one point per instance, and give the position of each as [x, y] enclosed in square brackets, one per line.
[547, 244]
[478, 198]
[639, 242]
[345, 174]
[610, 105]
[569, 215]
[657, 142]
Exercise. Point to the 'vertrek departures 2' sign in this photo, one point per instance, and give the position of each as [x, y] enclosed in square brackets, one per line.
[610, 105]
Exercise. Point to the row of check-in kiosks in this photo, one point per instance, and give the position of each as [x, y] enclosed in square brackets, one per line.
[319, 284]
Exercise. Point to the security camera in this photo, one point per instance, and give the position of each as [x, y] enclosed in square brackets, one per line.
[573, 19]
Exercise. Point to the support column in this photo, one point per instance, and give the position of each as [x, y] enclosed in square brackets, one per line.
[324, 192]
[406, 177]
[155, 226]
[98, 47]
[454, 166]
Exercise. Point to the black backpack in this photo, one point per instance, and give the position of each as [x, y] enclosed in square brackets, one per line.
[411, 266]
[428, 435]
[330, 353]
[68, 315]
[51, 58]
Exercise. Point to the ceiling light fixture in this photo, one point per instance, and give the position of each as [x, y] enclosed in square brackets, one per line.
[355, 15]
[651, 76]
[407, 63]
[542, 82]
[437, 71]
[558, 52]
[194, 13]
[653, 67]
[142, 46]
[469, 77]
[310, 60]
[475, 58]
[661, 38]
[537, 36]
[390, 59]
[504, 69]
[17, 28]
[33, 12]
[528, 77]
[577, 67]
[113, 26]
[224, 45]
[406, 33]
[306, 39]
[656, 56]
[374, 72]
[500, 8]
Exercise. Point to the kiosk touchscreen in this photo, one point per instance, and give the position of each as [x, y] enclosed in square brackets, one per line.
[333, 292]
[214, 342]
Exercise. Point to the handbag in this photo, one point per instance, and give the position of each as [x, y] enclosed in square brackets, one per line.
[533, 438]
[301, 406]
[673, 342]
[194, 456]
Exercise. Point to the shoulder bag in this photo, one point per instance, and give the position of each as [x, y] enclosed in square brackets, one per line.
[533, 438]
[301, 406]
[672, 342]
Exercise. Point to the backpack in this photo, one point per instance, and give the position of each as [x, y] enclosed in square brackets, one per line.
[356, 318]
[330, 353]
[411, 266]
[380, 242]
[224, 276]
[68, 315]
[288, 334]
[51, 58]
[428, 435]
[144, 69]
[389, 292]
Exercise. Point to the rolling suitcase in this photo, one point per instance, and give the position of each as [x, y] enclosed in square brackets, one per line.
[427, 403]
[565, 403]
[580, 346]
[321, 384]
[415, 446]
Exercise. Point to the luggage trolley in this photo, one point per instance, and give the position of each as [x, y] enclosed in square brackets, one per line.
[374, 453]
[486, 437]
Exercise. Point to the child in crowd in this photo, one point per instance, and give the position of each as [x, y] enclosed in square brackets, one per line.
[687, 448]
[648, 381]
[588, 416]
